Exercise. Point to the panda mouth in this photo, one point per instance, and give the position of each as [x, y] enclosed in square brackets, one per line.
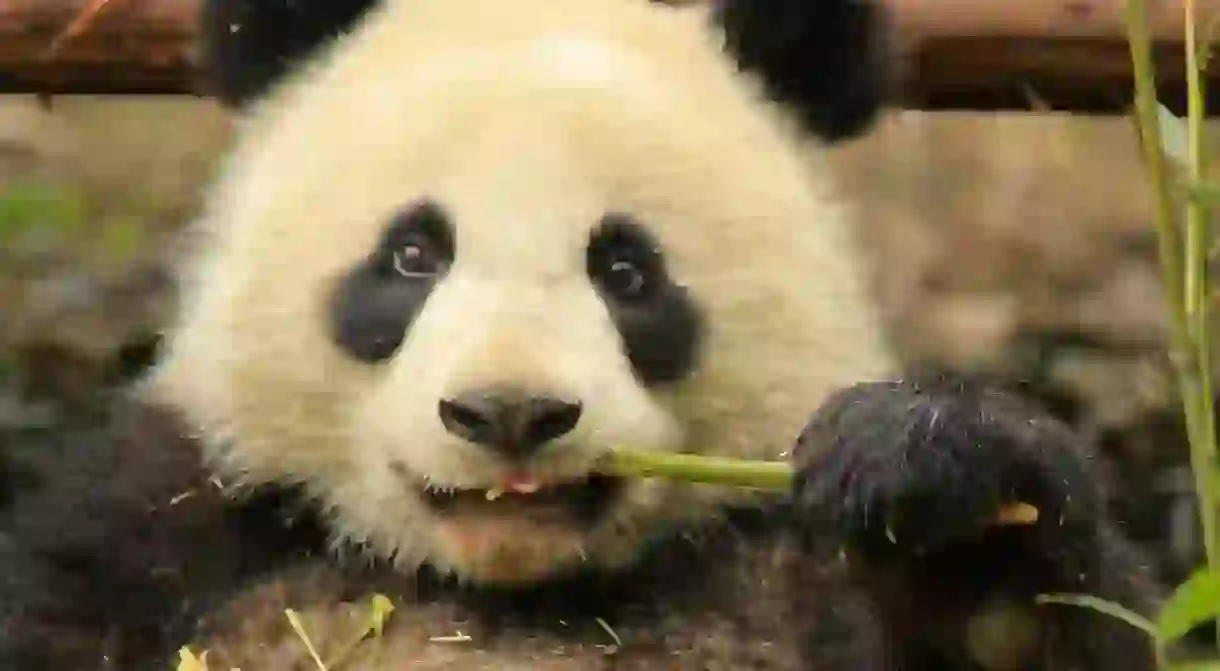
[583, 500]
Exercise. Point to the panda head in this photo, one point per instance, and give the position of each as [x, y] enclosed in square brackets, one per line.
[467, 246]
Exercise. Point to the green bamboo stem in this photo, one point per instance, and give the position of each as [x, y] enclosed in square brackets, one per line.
[762, 475]
[1198, 247]
[770, 475]
[1169, 239]
[1183, 354]
[1198, 231]
[1184, 267]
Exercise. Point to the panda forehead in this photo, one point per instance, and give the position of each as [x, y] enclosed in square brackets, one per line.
[567, 65]
[569, 60]
[525, 142]
[426, 120]
[575, 60]
[537, 159]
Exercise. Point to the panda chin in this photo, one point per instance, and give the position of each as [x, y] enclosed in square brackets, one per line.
[580, 502]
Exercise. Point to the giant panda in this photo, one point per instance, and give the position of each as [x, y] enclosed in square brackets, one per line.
[460, 250]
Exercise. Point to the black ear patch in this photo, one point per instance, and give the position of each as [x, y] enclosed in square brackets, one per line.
[827, 59]
[248, 45]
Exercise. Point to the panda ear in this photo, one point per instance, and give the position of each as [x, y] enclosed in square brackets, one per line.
[826, 59]
[248, 45]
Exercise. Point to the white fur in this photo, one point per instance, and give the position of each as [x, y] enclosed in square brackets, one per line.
[526, 120]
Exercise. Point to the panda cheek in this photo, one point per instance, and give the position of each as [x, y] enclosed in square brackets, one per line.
[370, 315]
[661, 336]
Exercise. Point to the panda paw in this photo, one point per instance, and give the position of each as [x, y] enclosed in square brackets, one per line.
[906, 468]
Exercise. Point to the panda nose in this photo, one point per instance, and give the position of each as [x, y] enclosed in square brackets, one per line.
[511, 423]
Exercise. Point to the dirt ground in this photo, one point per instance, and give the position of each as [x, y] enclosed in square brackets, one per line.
[1013, 244]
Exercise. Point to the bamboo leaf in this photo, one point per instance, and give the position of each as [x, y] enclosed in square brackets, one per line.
[187, 661]
[1174, 136]
[379, 613]
[1102, 606]
[1192, 603]
[1206, 193]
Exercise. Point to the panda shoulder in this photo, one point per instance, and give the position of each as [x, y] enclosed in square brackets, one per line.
[115, 520]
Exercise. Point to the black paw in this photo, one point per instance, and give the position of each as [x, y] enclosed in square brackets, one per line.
[912, 466]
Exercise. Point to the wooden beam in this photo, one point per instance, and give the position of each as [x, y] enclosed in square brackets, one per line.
[955, 54]
[1016, 54]
[125, 46]
[1002, 73]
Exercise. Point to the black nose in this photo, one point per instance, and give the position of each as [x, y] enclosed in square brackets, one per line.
[513, 423]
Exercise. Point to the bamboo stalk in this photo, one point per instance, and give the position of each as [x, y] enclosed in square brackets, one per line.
[1198, 229]
[772, 475]
[763, 475]
[1198, 237]
[1185, 267]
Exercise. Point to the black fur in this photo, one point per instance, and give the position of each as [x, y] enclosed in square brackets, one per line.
[955, 490]
[659, 322]
[911, 475]
[248, 46]
[827, 59]
[374, 304]
[119, 539]
[106, 557]
[719, 599]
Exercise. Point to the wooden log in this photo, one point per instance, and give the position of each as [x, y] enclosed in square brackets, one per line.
[92, 46]
[955, 54]
[1022, 54]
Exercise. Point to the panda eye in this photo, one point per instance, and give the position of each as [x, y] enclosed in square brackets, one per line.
[624, 279]
[624, 261]
[417, 245]
[416, 260]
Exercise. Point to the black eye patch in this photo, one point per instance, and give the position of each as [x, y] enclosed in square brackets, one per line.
[658, 321]
[373, 305]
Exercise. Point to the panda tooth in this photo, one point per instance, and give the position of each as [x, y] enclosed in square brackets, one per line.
[525, 487]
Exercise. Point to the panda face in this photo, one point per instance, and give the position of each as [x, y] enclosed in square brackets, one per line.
[510, 370]
[436, 295]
